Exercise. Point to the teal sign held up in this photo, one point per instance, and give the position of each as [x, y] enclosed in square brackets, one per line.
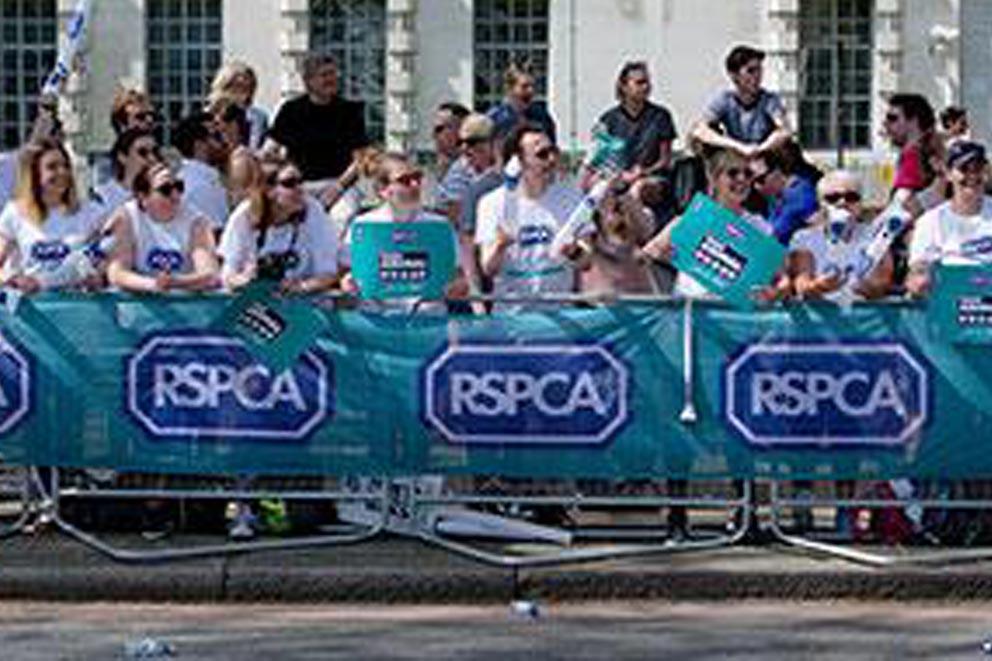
[960, 309]
[725, 253]
[403, 260]
[276, 331]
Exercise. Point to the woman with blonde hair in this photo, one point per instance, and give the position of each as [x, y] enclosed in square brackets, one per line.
[45, 223]
[238, 81]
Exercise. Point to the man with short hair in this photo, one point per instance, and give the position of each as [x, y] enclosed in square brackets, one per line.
[131, 108]
[909, 124]
[516, 227]
[787, 186]
[448, 119]
[519, 106]
[322, 132]
[954, 121]
[747, 119]
[204, 152]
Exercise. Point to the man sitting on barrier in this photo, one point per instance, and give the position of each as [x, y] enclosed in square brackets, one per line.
[45, 230]
[161, 244]
[279, 233]
[960, 230]
[518, 222]
[833, 258]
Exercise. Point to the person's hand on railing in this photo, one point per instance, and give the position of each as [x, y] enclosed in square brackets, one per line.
[25, 283]
[918, 284]
[818, 286]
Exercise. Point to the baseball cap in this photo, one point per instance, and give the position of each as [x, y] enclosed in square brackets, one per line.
[962, 152]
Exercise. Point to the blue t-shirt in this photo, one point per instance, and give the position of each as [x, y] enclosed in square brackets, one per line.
[791, 211]
[505, 118]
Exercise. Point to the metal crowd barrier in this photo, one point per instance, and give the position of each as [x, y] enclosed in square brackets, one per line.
[445, 518]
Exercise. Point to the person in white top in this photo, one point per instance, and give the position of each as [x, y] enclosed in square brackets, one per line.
[203, 150]
[516, 227]
[134, 149]
[281, 233]
[960, 230]
[399, 184]
[826, 258]
[730, 180]
[45, 228]
[161, 244]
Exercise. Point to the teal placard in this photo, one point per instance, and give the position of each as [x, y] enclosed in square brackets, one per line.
[725, 253]
[403, 260]
[276, 331]
[960, 308]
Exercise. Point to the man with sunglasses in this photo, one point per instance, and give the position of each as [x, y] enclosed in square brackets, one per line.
[909, 124]
[785, 185]
[960, 230]
[516, 227]
[747, 119]
[448, 120]
[204, 152]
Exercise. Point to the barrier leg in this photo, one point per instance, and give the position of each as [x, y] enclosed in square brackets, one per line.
[433, 523]
[874, 559]
[26, 502]
[52, 496]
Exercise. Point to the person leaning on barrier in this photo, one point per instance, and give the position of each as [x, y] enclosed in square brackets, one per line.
[730, 181]
[516, 227]
[960, 230]
[45, 227]
[824, 257]
[279, 233]
[161, 243]
[133, 150]
[399, 185]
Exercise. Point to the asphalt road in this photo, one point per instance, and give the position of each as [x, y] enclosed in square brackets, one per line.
[625, 630]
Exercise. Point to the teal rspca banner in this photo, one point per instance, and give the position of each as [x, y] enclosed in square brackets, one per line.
[144, 383]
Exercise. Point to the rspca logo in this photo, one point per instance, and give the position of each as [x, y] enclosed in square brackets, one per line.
[162, 260]
[506, 394]
[15, 386]
[211, 386]
[827, 394]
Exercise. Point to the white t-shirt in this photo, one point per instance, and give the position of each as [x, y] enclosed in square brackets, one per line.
[942, 236]
[841, 253]
[163, 246]
[313, 240]
[688, 287]
[42, 247]
[112, 195]
[205, 191]
[528, 265]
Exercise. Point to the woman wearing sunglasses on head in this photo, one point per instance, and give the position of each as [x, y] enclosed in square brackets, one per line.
[161, 244]
[45, 228]
[831, 259]
[134, 149]
[280, 233]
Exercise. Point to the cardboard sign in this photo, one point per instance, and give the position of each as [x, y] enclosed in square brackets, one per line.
[402, 260]
[276, 331]
[725, 253]
[960, 308]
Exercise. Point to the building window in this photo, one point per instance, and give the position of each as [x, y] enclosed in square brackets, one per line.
[354, 32]
[184, 51]
[835, 72]
[28, 39]
[506, 32]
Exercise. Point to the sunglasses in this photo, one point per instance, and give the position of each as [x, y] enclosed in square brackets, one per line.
[145, 116]
[759, 177]
[289, 183]
[145, 152]
[472, 142]
[734, 173]
[167, 189]
[408, 179]
[545, 153]
[848, 196]
[891, 117]
[441, 128]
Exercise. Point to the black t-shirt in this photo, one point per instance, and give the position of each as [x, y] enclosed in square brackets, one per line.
[644, 133]
[320, 138]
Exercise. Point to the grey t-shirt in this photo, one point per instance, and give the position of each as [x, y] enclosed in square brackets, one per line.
[748, 124]
[644, 134]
